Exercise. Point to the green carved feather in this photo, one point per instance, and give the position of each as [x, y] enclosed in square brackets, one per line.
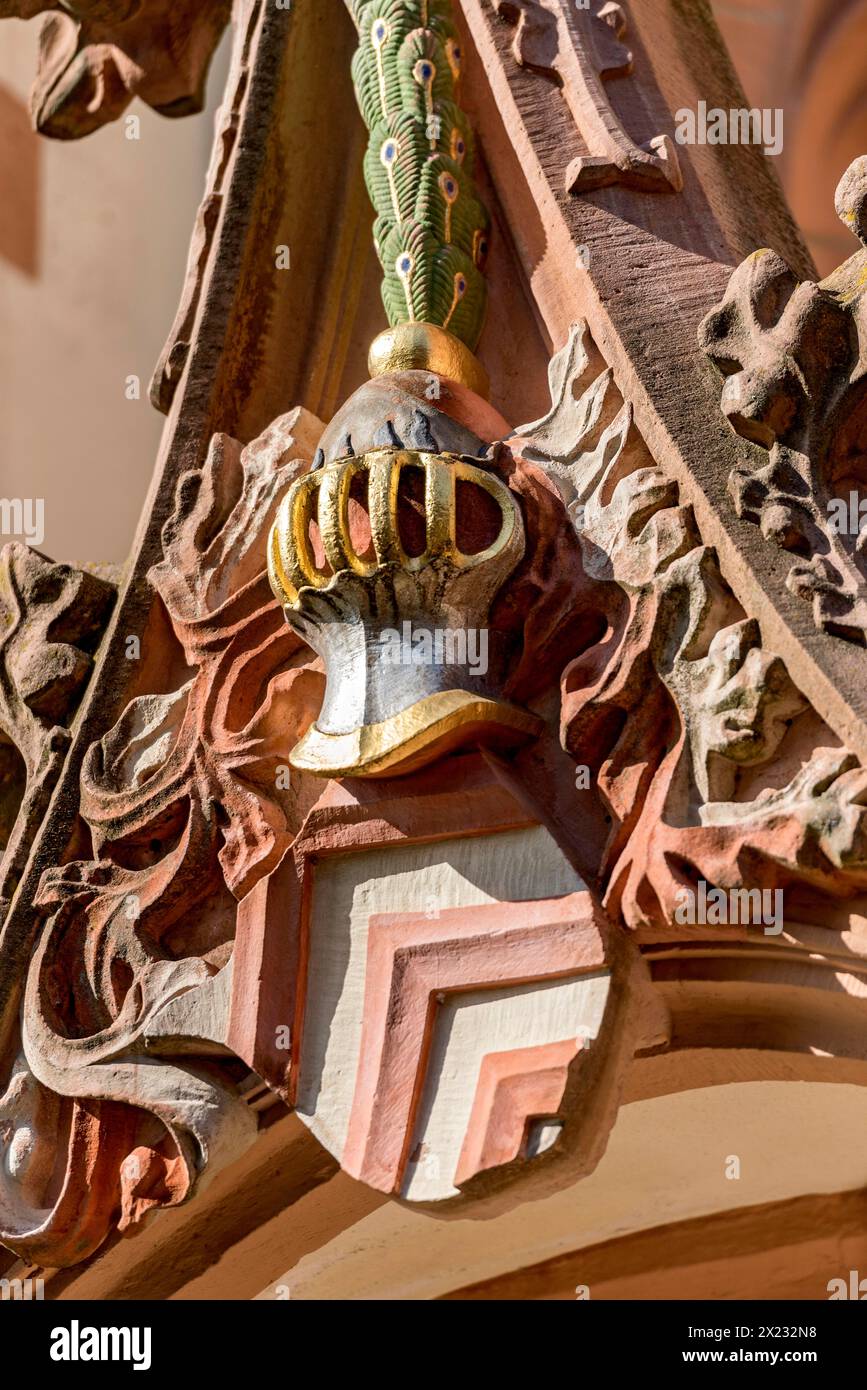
[431, 229]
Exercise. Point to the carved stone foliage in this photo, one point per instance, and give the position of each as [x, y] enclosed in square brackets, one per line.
[715, 775]
[51, 618]
[416, 965]
[710, 763]
[581, 49]
[112, 1098]
[793, 356]
[95, 56]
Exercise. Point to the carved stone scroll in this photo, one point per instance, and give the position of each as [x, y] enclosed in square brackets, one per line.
[127, 993]
[51, 618]
[438, 960]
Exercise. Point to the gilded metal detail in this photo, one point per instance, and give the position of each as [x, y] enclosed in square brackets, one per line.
[382, 714]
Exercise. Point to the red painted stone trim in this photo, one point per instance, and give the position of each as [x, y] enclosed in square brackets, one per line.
[514, 1088]
[412, 960]
[459, 797]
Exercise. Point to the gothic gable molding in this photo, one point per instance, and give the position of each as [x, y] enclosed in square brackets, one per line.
[173, 358]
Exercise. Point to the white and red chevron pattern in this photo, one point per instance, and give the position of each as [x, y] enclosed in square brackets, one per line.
[455, 1000]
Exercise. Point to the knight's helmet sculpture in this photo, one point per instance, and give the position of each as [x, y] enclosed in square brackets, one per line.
[404, 535]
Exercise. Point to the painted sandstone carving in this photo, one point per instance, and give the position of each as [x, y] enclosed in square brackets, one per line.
[96, 55]
[582, 49]
[793, 359]
[438, 955]
[184, 814]
[173, 357]
[366, 582]
[51, 618]
[390, 704]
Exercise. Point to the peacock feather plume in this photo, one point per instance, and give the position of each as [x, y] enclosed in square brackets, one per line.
[431, 229]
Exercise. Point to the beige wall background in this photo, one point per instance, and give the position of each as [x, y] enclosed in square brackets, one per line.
[107, 221]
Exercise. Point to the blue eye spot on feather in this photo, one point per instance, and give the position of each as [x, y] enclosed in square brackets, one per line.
[453, 53]
[449, 187]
